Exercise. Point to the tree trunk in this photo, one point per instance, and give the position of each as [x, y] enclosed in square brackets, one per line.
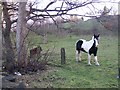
[0, 41]
[20, 35]
[10, 59]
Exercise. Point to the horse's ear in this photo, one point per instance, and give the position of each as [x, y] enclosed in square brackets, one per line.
[98, 35]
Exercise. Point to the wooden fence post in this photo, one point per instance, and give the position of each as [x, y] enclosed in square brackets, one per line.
[63, 59]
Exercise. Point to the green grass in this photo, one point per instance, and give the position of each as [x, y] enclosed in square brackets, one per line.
[79, 75]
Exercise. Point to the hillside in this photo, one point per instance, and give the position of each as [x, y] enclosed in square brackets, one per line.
[107, 25]
[103, 25]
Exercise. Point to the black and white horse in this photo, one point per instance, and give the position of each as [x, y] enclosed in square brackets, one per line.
[89, 47]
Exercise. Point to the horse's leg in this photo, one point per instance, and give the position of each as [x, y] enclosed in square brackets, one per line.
[95, 56]
[89, 58]
[96, 61]
[78, 56]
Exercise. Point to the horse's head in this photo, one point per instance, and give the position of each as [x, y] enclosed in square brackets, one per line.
[96, 38]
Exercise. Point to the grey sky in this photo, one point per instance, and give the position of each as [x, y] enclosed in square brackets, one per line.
[93, 9]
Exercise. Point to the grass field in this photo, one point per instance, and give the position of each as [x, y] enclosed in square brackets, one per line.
[78, 75]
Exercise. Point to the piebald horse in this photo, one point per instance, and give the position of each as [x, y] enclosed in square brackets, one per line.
[90, 47]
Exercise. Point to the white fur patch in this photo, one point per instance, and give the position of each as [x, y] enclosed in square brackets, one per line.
[87, 45]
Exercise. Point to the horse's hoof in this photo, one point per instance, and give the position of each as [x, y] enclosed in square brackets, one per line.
[78, 61]
[89, 64]
[97, 64]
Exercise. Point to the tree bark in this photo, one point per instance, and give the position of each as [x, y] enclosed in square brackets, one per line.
[21, 35]
[0, 28]
[10, 59]
[0, 43]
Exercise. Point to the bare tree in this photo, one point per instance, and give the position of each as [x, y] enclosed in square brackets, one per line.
[0, 39]
[10, 60]
[21, 34]
[105, 11]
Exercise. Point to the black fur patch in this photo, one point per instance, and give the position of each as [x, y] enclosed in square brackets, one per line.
[97, 37]
[78, 46]
[93, 49]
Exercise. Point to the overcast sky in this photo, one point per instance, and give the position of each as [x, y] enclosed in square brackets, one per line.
[99, 6]
[95, 7]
